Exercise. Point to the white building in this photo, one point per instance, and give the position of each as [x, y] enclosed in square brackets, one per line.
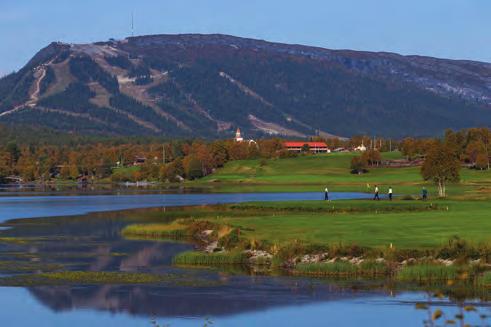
[361, 148]
[238, 136]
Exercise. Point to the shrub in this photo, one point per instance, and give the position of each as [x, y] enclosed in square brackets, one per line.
[459, 249]
[231, 240]
[290, 251]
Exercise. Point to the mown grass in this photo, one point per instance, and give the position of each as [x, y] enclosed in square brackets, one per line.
[194, 258]
[314, 172]
[367, 223]
[411, 227]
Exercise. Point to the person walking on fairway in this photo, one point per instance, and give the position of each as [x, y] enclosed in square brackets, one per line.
[326, 194]
[424, 193]
[390, 193]
[376, 196]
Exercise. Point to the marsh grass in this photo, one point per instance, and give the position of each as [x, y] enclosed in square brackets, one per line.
[174, 230]
[429, 273]
[193, 258]
[485, 279]
[337, 207]
[25, 266]
[85, 277]
[13, 240]
[342, 269]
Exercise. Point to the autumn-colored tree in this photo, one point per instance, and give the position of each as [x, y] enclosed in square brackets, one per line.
[372, 157]
[73, 167]
[65, 171]
[173, 170]
[474, 149]
[193, 167]
[270, 148]
[238, 150]
[408, 148]
[482, 161]
[441, 166]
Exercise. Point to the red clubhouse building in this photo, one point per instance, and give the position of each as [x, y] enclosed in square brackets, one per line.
[314, 147]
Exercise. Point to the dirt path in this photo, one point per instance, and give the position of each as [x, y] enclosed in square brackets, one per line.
[37, 87]
[34, 96]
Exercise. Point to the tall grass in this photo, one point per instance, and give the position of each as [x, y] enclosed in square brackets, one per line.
[342, 269]
[156, 231]
[428, 273]
[485, 279]
[84, 278]
[194, 258]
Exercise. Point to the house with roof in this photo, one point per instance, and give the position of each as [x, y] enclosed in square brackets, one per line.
[313, 147]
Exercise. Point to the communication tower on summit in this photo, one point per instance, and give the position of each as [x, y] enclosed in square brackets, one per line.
[132, 25]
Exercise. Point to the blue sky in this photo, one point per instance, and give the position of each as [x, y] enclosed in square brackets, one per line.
[458, 29]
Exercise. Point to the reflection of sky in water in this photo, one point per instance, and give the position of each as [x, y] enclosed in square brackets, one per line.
[16, 306]
[49, 206]
[240, 301]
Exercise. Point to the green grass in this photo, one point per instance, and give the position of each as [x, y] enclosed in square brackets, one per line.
[193, 258]
[404, 229]
[25, 266]
[84, 277]
[486, 279]
[155, 231]
[405, 224]
[341, 269]
[313, 172]
[428, 273]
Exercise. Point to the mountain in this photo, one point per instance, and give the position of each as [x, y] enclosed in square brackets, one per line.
[208, 85]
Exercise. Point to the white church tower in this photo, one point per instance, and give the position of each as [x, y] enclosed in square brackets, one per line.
[238, 137]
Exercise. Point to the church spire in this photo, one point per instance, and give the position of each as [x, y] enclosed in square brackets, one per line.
[238, 136]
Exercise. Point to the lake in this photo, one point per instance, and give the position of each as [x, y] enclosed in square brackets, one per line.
[83, 234]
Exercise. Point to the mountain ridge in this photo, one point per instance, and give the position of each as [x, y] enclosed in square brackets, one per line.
[206, 85]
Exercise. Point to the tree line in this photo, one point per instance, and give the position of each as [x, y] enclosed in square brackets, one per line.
[171, 161]
[166, 161]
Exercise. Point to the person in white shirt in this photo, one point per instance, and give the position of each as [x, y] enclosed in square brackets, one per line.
[376, 196]
[390, 193]
[326, 194]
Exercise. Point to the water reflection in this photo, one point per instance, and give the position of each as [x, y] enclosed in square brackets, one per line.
[238, 295]
[49, 206]
[93, 243]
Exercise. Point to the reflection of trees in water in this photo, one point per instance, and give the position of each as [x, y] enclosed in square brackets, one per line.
[97, 237]
[92, 241]
[240, 294]
[455, 304]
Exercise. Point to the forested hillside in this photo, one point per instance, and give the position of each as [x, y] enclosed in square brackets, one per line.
[208, 85]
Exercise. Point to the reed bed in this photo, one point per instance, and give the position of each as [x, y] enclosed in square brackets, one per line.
[342, 269]
[156, 231]
[428, 273]
[485, 279]
[193, 258]
[84, 278]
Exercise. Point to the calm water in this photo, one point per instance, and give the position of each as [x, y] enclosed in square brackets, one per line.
[91, 242]
[48, 206]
